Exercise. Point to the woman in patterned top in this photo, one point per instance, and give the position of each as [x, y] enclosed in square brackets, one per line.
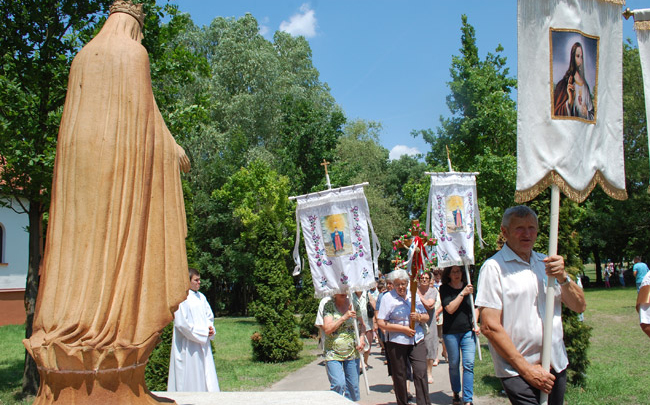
[341, 351]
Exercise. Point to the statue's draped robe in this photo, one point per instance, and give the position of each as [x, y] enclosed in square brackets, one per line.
[115, 267]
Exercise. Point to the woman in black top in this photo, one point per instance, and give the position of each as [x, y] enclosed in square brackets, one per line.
[457, 331]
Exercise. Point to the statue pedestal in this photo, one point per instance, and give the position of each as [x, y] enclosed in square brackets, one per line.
[107, 387]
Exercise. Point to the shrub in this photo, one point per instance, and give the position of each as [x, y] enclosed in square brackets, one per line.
[157, 369]
[576, 340]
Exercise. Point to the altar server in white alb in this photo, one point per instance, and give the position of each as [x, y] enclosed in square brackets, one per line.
[191, 367]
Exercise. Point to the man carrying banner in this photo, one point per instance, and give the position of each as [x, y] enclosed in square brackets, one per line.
[511, 285]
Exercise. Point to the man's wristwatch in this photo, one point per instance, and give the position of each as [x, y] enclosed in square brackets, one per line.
[566, 281]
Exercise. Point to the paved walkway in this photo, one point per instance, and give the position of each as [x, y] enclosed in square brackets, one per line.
[313, 377]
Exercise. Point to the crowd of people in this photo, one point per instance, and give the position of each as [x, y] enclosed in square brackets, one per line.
[509, 303]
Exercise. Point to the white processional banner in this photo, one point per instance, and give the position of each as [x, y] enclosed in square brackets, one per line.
[570, 108]
[642, 27]
[453, 212]
[337, 233]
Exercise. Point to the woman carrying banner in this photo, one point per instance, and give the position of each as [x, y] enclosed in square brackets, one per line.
[403, 342]
[457, 331]
[341, 353]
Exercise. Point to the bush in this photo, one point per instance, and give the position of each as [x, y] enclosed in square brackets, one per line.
[307, 306]
[277, 342]
[157, 370]
[576, 340]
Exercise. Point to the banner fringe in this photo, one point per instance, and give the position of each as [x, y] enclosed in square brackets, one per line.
[642, 25]
[330, 293]
[578, 196]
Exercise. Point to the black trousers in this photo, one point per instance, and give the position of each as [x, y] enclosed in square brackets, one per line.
[417, 354]
[521, 393]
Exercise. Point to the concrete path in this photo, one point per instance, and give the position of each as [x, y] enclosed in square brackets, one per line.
[313, 377]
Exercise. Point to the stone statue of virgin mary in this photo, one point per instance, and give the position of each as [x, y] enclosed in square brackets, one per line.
[114, 269]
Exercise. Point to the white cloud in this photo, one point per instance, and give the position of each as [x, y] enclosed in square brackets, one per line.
[302, 23]
[399, 150]
[264, 28]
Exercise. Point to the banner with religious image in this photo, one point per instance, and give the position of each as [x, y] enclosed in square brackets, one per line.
[570, 98]
[341, 245]
[452, 215]
[642, 28]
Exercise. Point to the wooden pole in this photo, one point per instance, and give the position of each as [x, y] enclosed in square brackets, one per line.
[415, 265]
[547, 340]
[474, 323]
[356, 335]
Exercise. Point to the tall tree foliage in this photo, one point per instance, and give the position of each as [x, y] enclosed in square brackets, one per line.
[480, 132]
[39, 39]
[262, 101]
[360, 158]
[257, 197]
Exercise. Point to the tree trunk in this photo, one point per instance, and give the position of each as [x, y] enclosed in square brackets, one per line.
[599, 270]
[30, 373]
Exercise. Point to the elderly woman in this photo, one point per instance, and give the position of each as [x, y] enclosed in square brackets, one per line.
[458, 331]
[402, 341]
[341, 352]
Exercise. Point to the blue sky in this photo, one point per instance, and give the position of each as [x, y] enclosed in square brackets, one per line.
[385, 60]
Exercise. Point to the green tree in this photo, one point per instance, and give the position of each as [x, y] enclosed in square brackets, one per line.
[360, 158]
[261, 101]
[259, 201]
[480, 132]
[606, 232]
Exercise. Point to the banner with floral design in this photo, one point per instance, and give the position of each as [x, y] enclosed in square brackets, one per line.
[452, 214]
[337, 231]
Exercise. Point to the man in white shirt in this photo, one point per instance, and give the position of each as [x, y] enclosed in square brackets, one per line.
[191, 367]
[511, 297]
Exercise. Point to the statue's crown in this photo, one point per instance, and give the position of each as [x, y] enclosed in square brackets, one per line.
[125, 6]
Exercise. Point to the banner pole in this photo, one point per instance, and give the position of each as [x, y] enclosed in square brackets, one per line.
[356, 335]
[471, 300]
[550, 288]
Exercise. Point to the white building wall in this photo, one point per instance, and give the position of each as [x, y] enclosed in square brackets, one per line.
[15, 249]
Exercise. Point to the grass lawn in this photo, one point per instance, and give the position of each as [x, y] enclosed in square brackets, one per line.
[233, 358]
[619, 354]
[12, 360]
